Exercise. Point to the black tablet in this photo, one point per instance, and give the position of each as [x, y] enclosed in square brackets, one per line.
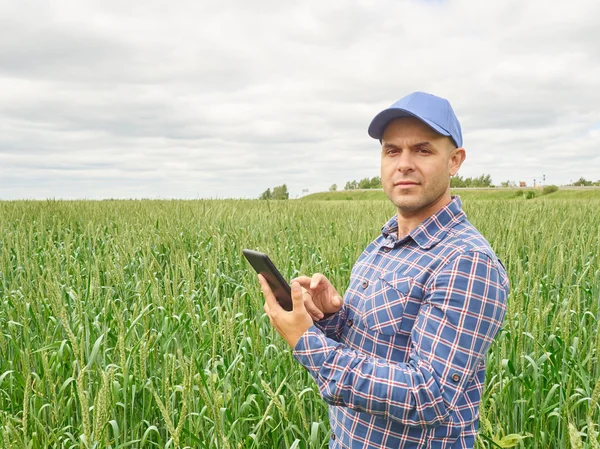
[263, 265]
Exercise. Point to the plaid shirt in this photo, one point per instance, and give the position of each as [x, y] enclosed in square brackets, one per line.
[402, 364]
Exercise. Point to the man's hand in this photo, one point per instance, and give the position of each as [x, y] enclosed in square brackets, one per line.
[290, 325]
[320, 296]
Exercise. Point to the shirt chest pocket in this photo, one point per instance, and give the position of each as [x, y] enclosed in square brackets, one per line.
[389, 307]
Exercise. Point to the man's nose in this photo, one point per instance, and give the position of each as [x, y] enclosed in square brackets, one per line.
[405, 162]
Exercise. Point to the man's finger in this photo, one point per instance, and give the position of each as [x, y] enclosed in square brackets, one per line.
[300, 279]
[317, 278]
[312, 309]
[297, 297]
[304, 281]
[271, 301]
[336, 301]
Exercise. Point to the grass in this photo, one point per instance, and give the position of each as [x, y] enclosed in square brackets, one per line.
[139, 323]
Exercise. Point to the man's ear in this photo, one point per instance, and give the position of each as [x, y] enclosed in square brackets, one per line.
[457, 157]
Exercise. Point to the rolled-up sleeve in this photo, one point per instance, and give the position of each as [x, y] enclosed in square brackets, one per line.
[462, 311]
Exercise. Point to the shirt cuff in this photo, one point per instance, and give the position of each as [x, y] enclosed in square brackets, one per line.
[331, 325]
[312, 349]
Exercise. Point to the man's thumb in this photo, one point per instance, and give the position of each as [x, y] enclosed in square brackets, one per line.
[297, 300]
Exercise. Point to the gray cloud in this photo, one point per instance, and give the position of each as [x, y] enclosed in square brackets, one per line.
[199, 99]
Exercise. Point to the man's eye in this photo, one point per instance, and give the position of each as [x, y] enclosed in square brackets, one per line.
[423, 150]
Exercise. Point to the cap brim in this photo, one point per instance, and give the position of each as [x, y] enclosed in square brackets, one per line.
[382, 119]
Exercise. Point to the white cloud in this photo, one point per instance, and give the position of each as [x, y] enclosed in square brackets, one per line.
[204, 99]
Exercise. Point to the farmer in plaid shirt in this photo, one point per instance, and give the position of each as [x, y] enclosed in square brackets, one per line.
[401, 359]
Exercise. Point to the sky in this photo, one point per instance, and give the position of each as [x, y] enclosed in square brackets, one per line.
[199, 99]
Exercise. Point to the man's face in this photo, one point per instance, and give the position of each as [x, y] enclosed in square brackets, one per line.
[416, 165]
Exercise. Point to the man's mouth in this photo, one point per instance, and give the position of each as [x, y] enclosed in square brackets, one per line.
[406, 183]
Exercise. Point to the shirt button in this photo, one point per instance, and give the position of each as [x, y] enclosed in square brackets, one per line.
[350, 323]
[333, 436]
[365, 284]
[455, 377]
[386, 249]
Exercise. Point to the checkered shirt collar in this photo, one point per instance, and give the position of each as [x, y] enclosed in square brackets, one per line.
[434, 228]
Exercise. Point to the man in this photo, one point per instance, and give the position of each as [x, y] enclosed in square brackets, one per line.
[401, 360]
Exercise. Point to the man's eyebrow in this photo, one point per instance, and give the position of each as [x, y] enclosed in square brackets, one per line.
[424, 144]
[421, 144]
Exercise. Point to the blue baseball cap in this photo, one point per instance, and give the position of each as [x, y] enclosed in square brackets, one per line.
[434, 111]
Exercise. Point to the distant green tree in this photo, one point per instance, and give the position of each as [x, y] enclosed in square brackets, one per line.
[266, 195]
[481, 181]
[582, 182]
[351, 185]
[457, 181]
[376, 182]
[364, 183]
[333, 188]
[280, 193]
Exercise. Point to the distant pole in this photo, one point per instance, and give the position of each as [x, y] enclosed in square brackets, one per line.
[544, 179]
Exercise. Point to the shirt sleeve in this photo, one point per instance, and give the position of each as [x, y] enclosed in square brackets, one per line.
[332, 326]
[461, 313]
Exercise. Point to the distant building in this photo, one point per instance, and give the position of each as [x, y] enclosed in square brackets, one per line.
[522, 184]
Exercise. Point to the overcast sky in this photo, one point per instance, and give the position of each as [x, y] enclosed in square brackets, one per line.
[207, 99]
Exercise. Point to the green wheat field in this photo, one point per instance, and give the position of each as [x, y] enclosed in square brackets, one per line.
[139, 323]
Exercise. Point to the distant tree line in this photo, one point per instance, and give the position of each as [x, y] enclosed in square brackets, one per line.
[278, 193]
[481, 181]
[580, 182]
[455, 181]
[585, 183]
[281, 192]
[365, 183]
